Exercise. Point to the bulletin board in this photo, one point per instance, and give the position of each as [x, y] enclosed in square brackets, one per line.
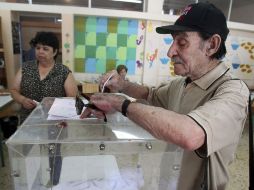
[102, 43]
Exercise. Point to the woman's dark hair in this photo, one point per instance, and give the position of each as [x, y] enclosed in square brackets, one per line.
[220, 54]
[46, 38]
[121, 67]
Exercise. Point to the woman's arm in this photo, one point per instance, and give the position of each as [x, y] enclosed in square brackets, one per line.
[15, 93]
[70, 86]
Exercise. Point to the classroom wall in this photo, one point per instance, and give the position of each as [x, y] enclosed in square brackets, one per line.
[151, 65]
[67, 40]
[149, 76]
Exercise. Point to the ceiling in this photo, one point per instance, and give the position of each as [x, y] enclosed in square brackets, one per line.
[241, 9]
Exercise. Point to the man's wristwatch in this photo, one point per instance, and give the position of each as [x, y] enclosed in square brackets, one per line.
[127, 102]
[125, 106]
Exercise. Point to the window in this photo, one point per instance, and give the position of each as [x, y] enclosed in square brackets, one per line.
[222, 5]
[174, 7]
[242, 11]
[81, 3]
[17, 1]
[130, 5]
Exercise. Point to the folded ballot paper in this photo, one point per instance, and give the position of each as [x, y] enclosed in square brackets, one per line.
[63, 108]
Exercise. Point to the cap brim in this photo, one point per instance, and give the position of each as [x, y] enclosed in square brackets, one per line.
[169, 29]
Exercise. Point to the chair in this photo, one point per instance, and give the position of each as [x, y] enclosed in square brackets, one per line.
[8, 127]
[1, 151]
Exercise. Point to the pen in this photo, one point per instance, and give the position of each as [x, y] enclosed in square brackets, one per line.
[110, 77]
[80, 104]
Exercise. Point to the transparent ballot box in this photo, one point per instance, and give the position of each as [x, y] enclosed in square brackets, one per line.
[90, 154]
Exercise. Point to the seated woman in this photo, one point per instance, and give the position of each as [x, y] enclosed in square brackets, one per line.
[43, 77]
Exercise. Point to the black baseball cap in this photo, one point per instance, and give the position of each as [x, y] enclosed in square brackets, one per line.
[201, 17]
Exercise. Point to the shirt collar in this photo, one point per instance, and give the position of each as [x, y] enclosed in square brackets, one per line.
[209, 78]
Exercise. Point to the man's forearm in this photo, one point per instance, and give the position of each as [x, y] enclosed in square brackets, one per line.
[135, 90]
[167, 125]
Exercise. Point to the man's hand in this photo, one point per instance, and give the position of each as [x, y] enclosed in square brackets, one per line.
[112, 81]
[106, 103]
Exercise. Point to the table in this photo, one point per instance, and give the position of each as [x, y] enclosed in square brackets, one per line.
[5, 110]
[6, 102]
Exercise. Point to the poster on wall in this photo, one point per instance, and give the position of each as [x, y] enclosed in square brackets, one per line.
[158, 67]
[16, 37]
[240, 57]
[102, 43]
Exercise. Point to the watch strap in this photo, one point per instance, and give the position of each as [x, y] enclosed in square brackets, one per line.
[125, 106]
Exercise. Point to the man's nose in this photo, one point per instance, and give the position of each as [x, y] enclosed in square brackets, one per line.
[172, 51]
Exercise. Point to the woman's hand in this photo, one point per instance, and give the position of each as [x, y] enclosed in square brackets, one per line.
[28, 103]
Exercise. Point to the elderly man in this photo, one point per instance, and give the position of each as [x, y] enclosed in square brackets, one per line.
[204, 111]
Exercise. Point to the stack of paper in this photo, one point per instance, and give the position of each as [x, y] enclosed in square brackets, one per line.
[63, 108]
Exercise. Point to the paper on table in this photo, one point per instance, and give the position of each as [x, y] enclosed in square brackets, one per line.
[63, 108]
[54, 117]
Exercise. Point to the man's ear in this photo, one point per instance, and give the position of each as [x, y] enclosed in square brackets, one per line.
[214, 44]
